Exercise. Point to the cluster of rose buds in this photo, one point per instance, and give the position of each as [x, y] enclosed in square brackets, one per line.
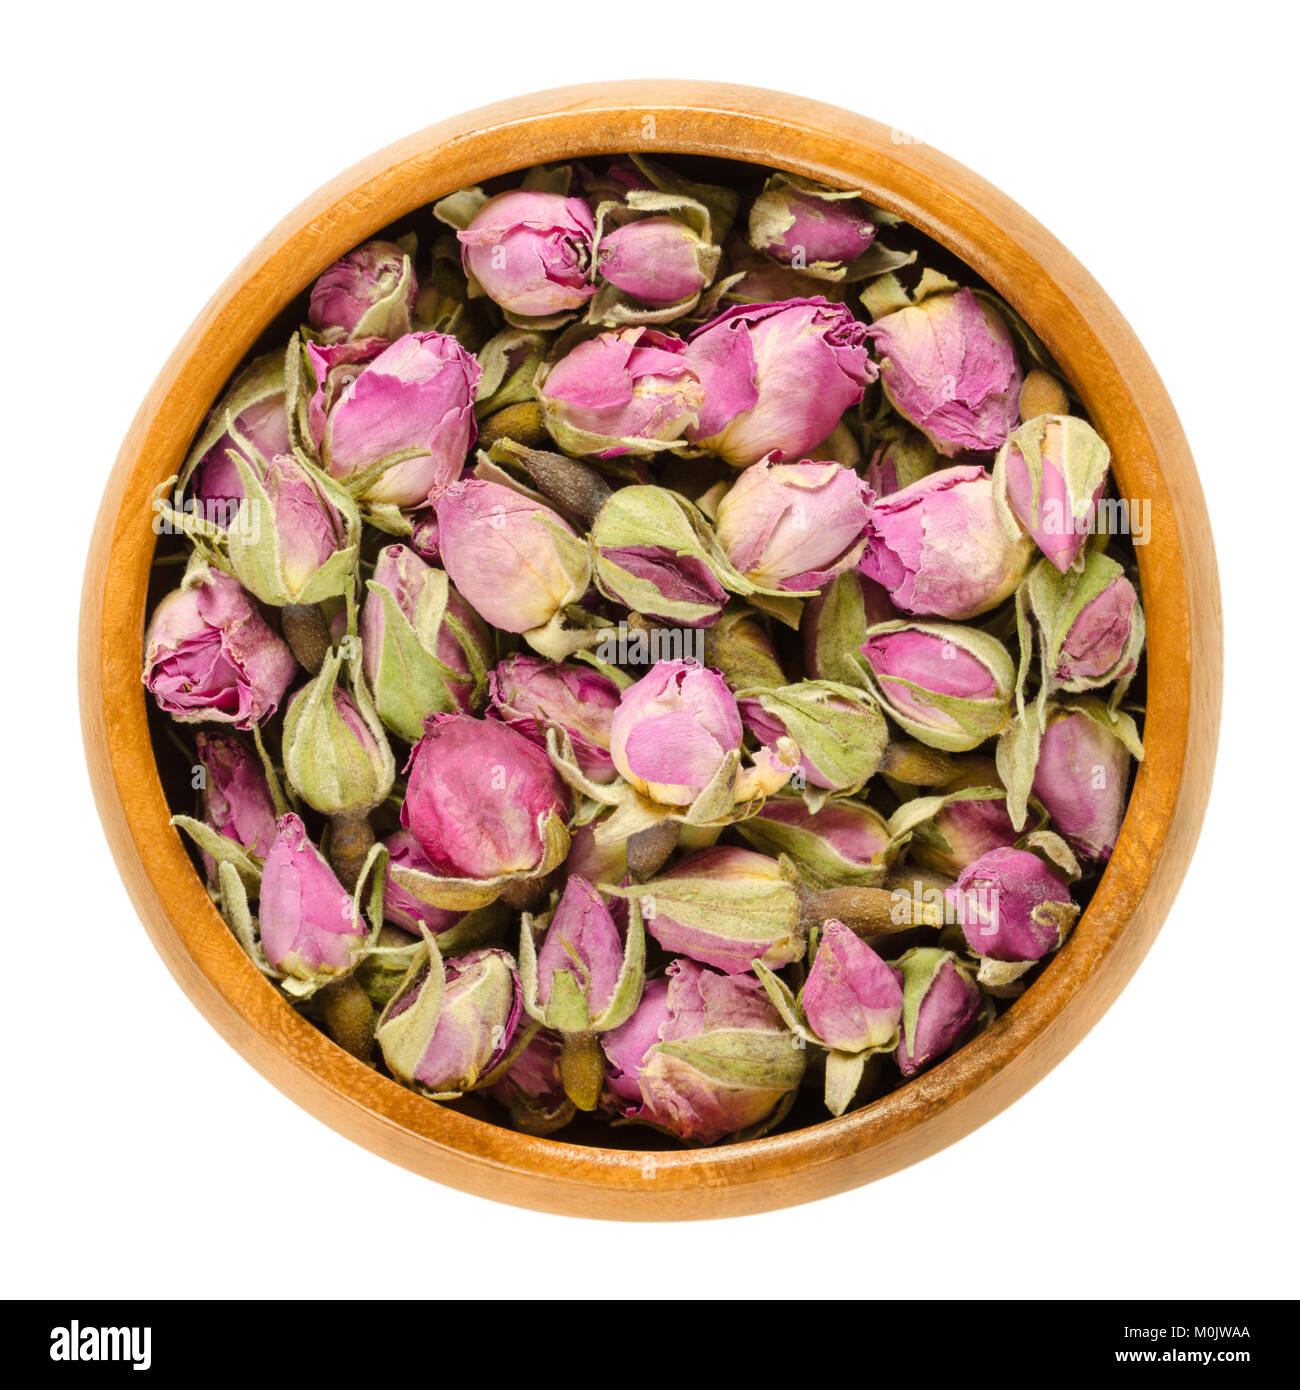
[655, 653]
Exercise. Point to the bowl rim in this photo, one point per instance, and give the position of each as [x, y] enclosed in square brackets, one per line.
[1118, 387]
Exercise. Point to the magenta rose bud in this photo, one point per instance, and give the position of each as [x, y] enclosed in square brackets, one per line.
[369, 291]
[940, 1001]
[584, 942]
[802, 228]
[703, 1056]
[1100, 645]
[479, 798]
[531, 252]
[852, 1000]
[1012, 906]
[632, 391]
[516, 562]
[938, 547]
[794, 525]
[1081, 779]
[415, 394]
[210, 656]
[658, 260]
[305, 915]
[237, 802]
[673, 730]
[948, 365]
[532, 696]
[777, 377]
[401, 907]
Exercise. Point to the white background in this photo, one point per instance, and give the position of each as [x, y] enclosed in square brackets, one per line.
[148, 148]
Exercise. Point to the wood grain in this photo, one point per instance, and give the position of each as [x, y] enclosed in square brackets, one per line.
[1125, 399]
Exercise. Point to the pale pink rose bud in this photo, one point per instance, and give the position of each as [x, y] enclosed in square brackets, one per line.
[794, 525]
[210, 656]
[479, 797]
[533, 696]
[672, 731]
[531, 252]
[367, 292]
[516, 562]
[965, 830]
[1082, 780]
[401, 907]
[837, 845]
[584, 942]
[1099, 646]
[938, 548]
[940, 1001]
[777, 377]
[703, 1056]
[852, 1000]
[1012, 906]
[798, 227]
[305, 915]
[632, 391]
[658, 260]
[531, 1087]
[948, 365]
[264, 428]
[417, 393]
[237, 802]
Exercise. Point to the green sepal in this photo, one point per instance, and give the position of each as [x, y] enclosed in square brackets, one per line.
[843, 1077]
[404, 1039]
[223, 850]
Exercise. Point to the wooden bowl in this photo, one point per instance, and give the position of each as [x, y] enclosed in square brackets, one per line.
[1120, 391]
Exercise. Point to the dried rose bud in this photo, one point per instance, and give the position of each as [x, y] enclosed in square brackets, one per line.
[840, 731]
[843, 843]
[967, 822]
[1012, 906]
[210, 656]
[938, 548]
[308, 925]
[402, 907]
[532, 1089]
[852, 1000]
[1048, 478]
[703, 1056]
[657, 260]
[532, 696]
[531, 252]
[369, 292]
[251, 423]
[517, 563]
[835, 625]
[414, 394]
[598, 861]
[724, 906]
[940, 1001]
[482, 801]
[424, 536]
[673, 730]
[948, 365]
[1082, 777]
[803, 225]
[336, 754]
[900, 461]
[237, 802]
[1091, 623]
[423, 648]
[452, 1024]
[632, 391]
[777, 377]
[948, 686]
[794, 526]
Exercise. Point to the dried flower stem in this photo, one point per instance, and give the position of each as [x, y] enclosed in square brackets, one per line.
[307, 634]
[351, 836]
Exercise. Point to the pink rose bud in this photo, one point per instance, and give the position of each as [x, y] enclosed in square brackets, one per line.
[948, 366]
[531, 1088]
[632, 391]
[402, 907]
[583, 942]
[305, 915]
[946, 685]
[1103, 642]
[900, 462]
[800, 228]
[672, 731]
[1012, 906]
[940, 1001]
[777, 377]
[237, 802]
[417, 393]
[794, 525]
[963, 831]
[424, 536]
[938, 548]
[531, 252]
[210, 656]
[703, 1056]
[1081, 779]
[370, 292]
[596, 861]
[532, 696]
[517, 563]
[835, 846]
[658, 260]
[852, 1000]
[263, 428]
[479, 797]
[840, 731]
[452, 1027]
[1048, 479]
[835, 625]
